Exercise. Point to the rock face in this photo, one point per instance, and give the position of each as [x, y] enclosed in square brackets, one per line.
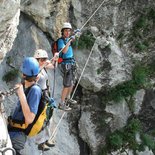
[114, 40]
[52, 16]
[9, 19]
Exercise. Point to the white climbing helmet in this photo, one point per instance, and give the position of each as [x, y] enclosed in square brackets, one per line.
[66, 26]
[40, 54]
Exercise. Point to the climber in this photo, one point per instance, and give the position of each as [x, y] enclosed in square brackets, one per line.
[42, 58]
[68, 66]
[27, 105]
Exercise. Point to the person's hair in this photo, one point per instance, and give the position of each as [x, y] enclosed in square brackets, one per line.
[29, 78]
[62, 32]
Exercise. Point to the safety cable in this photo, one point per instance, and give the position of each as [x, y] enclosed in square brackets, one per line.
[82, 72]
[92, 15]
[4, 151]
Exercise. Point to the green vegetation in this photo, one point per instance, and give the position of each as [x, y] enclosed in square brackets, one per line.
[142, 22]
[142, 39]
[142, 35]
[9, 60]
[120, 36]
[141, 47]
[147, 140]
[125, 138]
[86, 41]
[142, 29]
[11, 75]
[128, 88]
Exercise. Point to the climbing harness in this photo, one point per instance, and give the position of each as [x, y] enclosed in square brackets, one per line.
[55, 130]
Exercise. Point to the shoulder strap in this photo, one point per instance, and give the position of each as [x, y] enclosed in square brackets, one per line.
[61, 54]
[28, 89]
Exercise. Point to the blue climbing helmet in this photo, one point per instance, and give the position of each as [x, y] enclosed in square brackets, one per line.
[30, 67]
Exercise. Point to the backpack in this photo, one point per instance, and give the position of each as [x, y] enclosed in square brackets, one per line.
[40, 121]
[55, 50]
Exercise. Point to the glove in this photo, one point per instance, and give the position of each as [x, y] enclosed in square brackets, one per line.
[72, 37]
[52, 103]
[77, 31]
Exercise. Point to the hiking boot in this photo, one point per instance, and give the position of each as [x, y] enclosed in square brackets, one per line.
[50, 143]
[71, 101]
[64, 107]
[43, 147]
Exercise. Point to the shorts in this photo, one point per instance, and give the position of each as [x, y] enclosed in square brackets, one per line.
[18, 141]
[68, 71]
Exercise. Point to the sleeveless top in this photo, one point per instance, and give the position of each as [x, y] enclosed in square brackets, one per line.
[43, 79]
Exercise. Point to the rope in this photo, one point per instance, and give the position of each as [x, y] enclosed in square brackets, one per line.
[92, 15]
[54, 81]
[55, 130]
[82, 72]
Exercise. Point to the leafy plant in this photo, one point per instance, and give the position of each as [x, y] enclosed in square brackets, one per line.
[139, 75]
[141, 46]
[151, 14]
[142, 22]
[85, 41]
[122, 91]
[125, 138]
[10, 75]
[115, 140]
[126, 89]
[147, 140]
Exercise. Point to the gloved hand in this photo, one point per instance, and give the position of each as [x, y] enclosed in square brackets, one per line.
[77, 31]
[72, 37]
[52, 102]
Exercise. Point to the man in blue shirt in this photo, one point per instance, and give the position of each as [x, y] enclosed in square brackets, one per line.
[27, 106]
[67, 66]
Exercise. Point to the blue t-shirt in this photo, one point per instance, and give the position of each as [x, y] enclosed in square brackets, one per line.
[61, 44]
[33, 99]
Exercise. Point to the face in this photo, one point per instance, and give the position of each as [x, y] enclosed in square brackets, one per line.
[67, 33]
[42, 61]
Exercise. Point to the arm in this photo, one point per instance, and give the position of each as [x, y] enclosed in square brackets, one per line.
[51, 63]
[62, 46]
[66, 46]
[28, 115]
